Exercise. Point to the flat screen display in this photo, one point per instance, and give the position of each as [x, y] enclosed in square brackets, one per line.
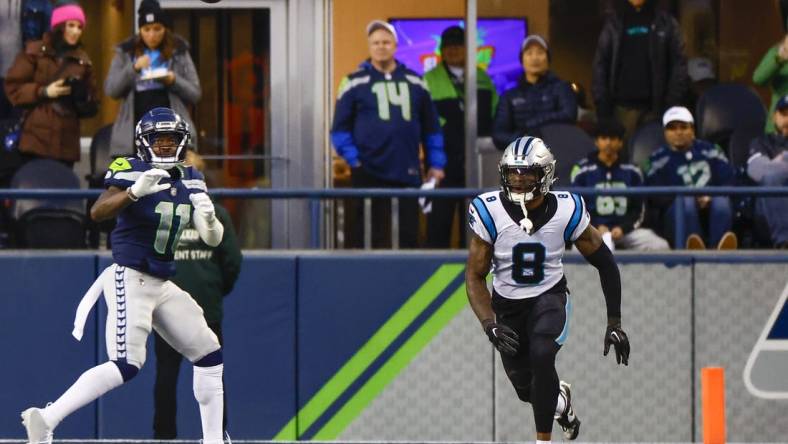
[498, 42]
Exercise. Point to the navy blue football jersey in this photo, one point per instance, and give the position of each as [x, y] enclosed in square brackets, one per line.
[148, 231]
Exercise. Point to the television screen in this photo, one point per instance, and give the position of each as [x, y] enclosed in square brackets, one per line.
[498, 41]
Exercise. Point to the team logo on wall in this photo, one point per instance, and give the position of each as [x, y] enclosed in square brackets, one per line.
[764, 374]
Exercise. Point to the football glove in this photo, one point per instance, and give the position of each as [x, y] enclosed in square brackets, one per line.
[148, 183]
[203, 206]
[502, 337]
[616, 336]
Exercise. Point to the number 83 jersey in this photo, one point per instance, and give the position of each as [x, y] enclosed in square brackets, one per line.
[527, 265]
[148, 230]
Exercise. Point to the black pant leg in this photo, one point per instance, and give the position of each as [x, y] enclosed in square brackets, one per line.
[168, 364]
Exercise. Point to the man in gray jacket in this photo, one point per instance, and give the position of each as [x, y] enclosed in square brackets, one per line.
[150, 69]
[768, 166]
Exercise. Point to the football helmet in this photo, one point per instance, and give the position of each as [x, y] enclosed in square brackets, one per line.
[155, 123]
[527, 155]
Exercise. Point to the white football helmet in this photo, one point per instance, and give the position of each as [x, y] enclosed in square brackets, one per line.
[527, 154]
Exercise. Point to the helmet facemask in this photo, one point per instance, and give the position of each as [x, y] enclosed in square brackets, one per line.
[165, 149]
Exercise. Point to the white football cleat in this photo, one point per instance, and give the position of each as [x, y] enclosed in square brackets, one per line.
[568, 421]
[38, 432]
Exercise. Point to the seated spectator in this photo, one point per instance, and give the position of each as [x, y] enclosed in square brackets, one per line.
[768, 166]
[616, 217]
[540, 97]
[53, 79]
[691, 162]
[702, 76]
[773, 72]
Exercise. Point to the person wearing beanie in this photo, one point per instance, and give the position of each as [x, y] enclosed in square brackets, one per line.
[617, 218]
[539, 98]
[50, 127]
[446, 84]
[151, 69]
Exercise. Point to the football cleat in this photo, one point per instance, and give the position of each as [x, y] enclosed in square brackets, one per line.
[568, 421]
[38, 432]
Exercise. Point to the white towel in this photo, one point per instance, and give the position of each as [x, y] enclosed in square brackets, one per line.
[87, 303]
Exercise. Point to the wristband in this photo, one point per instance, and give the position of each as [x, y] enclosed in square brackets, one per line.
[131, 195]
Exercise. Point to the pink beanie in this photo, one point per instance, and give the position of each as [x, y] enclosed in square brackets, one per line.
[62, 14]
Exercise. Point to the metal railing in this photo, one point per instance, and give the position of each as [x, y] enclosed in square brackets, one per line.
[315, 196]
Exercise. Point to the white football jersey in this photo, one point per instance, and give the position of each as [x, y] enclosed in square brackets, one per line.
[526, 265]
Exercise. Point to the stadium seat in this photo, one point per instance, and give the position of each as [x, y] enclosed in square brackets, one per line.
[725, 107]
[48, 223]
[646, 139]
[739, 145]
[569, 144]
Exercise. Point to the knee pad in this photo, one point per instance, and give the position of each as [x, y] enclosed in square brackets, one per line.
[211, 359]
[127, 371]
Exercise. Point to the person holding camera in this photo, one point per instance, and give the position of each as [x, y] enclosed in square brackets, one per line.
[52, 81]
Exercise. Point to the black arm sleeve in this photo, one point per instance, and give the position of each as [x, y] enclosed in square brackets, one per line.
[602, 259]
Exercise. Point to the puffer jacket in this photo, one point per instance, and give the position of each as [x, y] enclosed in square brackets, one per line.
[670, 80]
[120, 84]
[525, 108]
[51, 126]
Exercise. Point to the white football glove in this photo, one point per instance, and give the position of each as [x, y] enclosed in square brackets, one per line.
[203, 207]
[148, 183]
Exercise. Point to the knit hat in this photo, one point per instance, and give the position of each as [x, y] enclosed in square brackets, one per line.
[453, 36]
[66, 10]
[150, 12]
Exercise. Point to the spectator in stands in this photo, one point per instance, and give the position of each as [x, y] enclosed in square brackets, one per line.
[640, 68]
[446, 84]
[540, 97]
[687, 161]
[150, 69]
[773, 72]
[702, 77]
[768, 166]
[208, 274]
[53, 79]
[616, 217]
[383, 111]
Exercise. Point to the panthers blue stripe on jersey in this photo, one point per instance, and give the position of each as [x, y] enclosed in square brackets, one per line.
[487, 220]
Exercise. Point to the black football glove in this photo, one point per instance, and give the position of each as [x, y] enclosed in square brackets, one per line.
[616, 336]
[502, 337]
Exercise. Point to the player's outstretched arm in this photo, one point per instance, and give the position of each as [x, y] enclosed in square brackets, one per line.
[480, 254]
[109, 204]
[597, 254]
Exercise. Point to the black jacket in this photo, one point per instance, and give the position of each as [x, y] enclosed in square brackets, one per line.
[525, 108]
[668, 62]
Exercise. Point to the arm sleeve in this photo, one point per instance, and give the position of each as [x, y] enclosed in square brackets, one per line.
[230, 256]
[678, 82]
[601, 73]
[768, 67]
[20, 88]
[759, 164]
[210, 233]
[342, 128]
[480, 221]
[187, 82]
[610, 278]
[121, 77]
[566, 111]
[504, 131]
[432, 135]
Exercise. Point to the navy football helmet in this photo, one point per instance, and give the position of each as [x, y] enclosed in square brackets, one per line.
[157, 122]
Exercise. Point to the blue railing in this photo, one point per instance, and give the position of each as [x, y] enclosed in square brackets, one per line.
[316, 195]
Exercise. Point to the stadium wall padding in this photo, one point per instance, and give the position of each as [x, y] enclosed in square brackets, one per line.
[383, 346]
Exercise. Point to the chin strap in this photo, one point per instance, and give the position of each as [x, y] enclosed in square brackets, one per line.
[526, 223]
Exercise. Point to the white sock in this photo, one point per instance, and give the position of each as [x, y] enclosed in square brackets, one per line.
[209, 393]
[89, 387]
[543, 442]
[560, 406]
